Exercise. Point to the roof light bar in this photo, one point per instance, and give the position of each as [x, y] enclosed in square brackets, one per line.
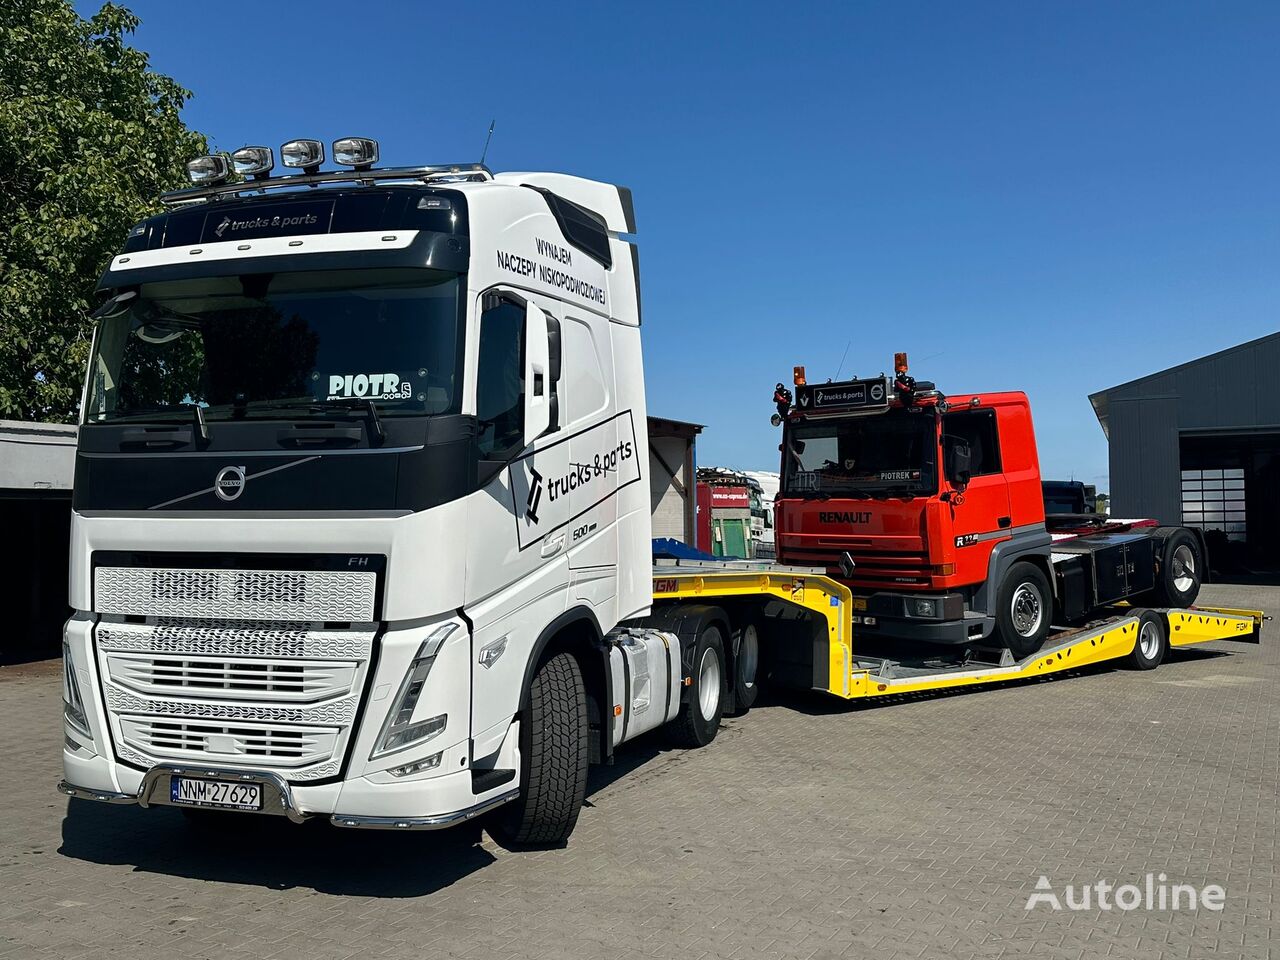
[358, 152]
[253, 161]
[206, 171]
[307, 154]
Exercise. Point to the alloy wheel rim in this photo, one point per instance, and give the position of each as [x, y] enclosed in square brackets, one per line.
[708, 684]
[1149, 640]
[1026, 610]
[1184, 568]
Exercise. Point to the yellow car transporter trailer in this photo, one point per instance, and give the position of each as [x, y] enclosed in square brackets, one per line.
[819, 614]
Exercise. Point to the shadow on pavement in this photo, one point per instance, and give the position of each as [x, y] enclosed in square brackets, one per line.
[271, 852]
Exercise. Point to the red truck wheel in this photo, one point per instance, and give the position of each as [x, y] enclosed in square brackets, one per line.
[1025, 609]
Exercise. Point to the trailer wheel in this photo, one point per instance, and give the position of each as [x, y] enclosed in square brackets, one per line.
[746, 665]
[1181, 571]
[1152, 642]
[1025, 609]
[554, 749]
[699, 718]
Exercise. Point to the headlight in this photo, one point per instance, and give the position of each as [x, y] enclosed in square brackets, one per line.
[926, 608]
[399, 730]
[72, 702]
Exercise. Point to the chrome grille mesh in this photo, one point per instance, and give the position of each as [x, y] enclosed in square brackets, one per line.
[197, 592]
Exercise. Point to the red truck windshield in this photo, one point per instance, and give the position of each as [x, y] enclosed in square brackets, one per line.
[892, 453]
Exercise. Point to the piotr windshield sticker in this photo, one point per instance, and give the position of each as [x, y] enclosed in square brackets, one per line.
[375, 386]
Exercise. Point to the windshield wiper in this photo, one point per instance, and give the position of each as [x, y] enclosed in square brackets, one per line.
[155, 417]
[365, 404]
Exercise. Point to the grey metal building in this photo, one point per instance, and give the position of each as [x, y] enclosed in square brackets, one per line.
[1199, 444]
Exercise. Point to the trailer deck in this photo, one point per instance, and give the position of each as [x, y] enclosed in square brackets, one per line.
[852, 670]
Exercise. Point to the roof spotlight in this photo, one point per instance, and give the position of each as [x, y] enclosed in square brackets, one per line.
[208, 170]
[253, 161]
[357, 152]
[307, 154]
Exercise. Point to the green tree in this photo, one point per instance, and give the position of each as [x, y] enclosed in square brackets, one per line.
[89, 138]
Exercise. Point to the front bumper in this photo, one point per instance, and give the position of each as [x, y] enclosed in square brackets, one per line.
[280, 798]
[894, 616]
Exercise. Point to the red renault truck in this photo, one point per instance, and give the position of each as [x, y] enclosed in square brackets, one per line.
[930, 509]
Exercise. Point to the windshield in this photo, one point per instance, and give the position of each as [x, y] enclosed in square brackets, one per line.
[894, 453]
[246, 346]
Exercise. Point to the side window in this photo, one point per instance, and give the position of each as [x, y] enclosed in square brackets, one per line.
[978, 430]
[500, 381]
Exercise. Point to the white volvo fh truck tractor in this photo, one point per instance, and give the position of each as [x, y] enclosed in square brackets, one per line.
[359, 506]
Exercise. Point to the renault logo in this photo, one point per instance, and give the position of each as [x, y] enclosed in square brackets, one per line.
[229, 483]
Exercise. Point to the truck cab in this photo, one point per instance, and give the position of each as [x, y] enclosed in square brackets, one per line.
[360, 455]
[919, 502]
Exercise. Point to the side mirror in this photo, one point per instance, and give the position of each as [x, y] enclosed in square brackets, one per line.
[537, 379]
[958, 462]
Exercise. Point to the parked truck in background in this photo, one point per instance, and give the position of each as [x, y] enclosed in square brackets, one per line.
[930, 507]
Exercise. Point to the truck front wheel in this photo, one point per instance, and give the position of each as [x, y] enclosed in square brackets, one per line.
[554, 750]
[1025, 607]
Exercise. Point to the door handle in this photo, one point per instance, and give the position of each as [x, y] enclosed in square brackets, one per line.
[1005, 522]
[551, 545]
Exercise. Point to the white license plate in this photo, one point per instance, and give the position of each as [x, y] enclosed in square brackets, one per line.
[215, 793]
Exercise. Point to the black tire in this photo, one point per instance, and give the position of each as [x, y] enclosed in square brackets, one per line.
[554, 748]
[699, 717]
[1181, 570]
[746, 665]
[1024, 609]
[1151, 643]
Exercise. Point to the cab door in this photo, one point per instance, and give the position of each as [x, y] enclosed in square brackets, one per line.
[980, 515]
[516, 569]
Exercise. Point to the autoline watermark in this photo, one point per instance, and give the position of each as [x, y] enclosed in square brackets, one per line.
[1154, 893]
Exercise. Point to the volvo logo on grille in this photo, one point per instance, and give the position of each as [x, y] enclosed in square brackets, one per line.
[229, 483]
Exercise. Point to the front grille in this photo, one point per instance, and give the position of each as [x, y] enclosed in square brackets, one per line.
[234, 743]
[301, 681]
[871, 568]
[197, 592]
[237, 692]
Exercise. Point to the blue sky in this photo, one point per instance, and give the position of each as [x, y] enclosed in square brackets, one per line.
[1055, 197]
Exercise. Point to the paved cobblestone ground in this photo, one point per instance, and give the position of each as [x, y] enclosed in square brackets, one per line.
[807, 830]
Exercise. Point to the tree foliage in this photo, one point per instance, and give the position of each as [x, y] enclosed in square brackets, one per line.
[89, 138]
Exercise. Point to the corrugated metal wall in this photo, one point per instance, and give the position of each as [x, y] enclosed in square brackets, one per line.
[1145, 478]
[1228, 392]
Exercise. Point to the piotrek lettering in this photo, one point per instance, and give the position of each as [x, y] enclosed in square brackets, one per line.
[551, 274]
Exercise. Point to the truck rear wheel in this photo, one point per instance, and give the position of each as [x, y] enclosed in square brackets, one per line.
[1024, 610]
[1152, 642]
[700, 714]
[554, 749]
[1181, 570]
[746, 666]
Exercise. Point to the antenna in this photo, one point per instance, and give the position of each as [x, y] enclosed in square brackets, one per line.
[842, 356]
[485, 152]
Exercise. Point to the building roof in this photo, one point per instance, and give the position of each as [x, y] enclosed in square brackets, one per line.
[662, 427]
[1229, 380]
